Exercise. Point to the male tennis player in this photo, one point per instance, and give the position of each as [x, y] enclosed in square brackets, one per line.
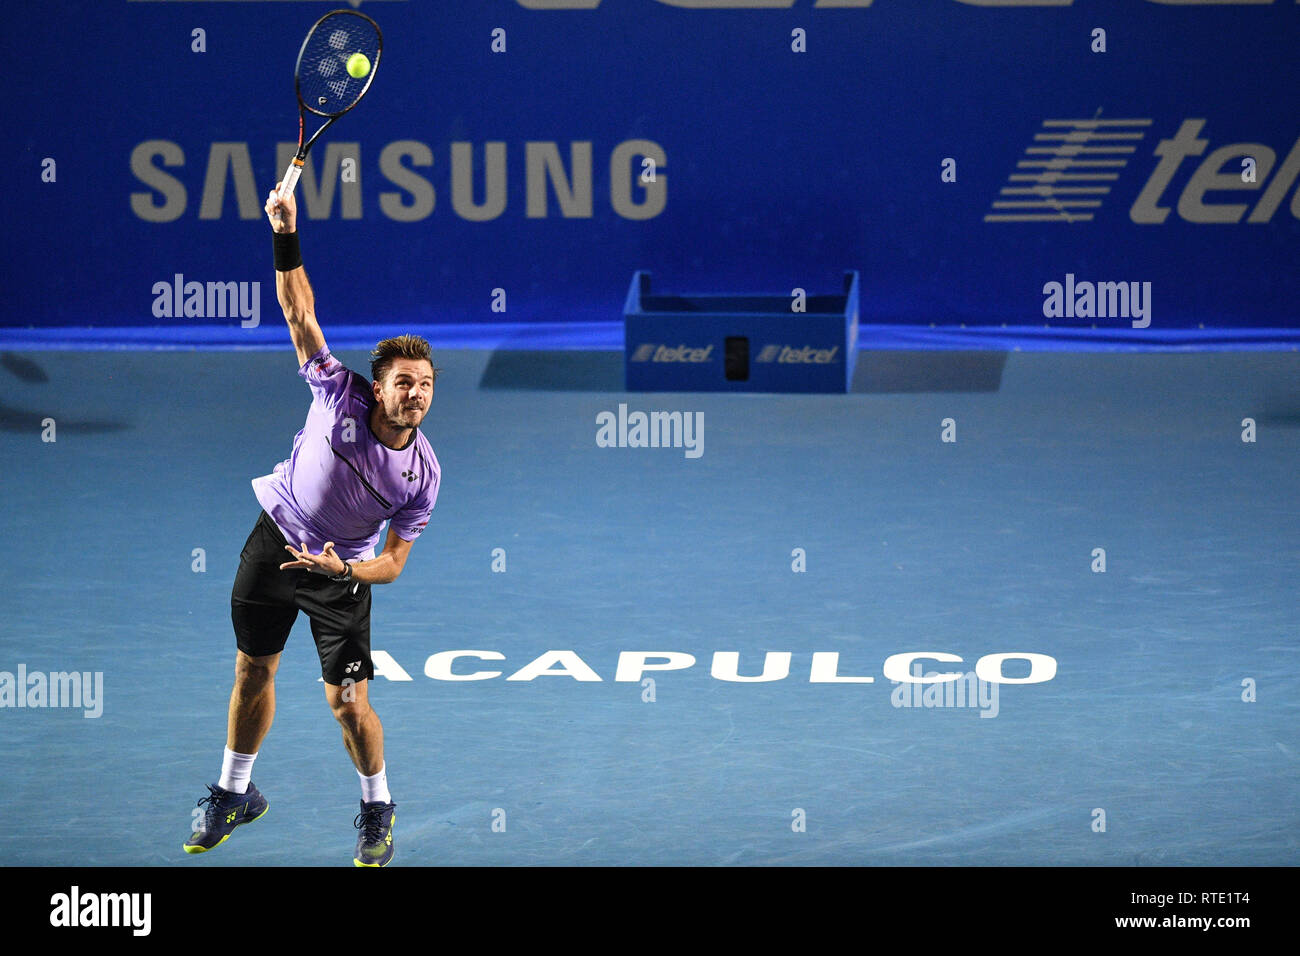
[359, 460]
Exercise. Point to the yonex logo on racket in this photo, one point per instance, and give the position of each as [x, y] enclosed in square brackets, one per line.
[322, 80]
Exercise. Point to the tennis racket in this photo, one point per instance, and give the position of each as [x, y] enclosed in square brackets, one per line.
[322, 81]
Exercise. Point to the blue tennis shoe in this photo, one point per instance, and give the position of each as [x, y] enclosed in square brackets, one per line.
[375, 841]
[224, 810]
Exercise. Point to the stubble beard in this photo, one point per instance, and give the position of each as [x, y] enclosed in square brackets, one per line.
[414, 415]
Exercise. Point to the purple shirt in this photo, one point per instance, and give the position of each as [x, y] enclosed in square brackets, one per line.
[341, 482]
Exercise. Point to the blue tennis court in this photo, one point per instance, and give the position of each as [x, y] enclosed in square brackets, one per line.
[1172, 715]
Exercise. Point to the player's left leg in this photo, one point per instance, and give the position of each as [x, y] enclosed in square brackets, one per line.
[363, 736]
[340, 623]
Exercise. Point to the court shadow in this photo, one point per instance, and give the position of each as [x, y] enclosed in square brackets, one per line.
[891, 371]
[876, 372]
[23, 368]
[553, 371]
[1281, 407]
[25, 420]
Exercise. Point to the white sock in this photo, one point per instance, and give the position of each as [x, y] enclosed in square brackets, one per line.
[236, 771]
[375, 789]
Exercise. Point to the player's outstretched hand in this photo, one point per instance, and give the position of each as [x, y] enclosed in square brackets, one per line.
[327, 562]
[286, 211]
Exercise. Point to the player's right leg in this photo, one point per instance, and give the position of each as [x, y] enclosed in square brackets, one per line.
[233, 800]
[262, 610]
[252, 702]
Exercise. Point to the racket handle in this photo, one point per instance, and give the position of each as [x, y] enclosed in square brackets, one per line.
[290, 180]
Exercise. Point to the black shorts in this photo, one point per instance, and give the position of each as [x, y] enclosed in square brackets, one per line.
[265, 602]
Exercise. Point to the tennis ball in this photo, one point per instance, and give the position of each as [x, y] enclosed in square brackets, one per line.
[358, 65]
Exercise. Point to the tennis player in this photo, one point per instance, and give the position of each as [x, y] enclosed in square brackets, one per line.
[359, 460]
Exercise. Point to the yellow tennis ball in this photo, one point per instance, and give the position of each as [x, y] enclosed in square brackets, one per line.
[358, 65]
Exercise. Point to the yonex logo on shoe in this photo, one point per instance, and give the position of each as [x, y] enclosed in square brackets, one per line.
[230, 817]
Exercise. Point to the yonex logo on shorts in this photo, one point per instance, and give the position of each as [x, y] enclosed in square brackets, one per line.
[353, 667]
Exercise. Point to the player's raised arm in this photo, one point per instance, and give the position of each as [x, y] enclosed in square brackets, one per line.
[291, 285]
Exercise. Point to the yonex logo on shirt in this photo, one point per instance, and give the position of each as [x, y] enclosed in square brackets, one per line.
[410, 475]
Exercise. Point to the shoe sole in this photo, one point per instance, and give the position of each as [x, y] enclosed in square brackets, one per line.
[188, 848]
[375, 866]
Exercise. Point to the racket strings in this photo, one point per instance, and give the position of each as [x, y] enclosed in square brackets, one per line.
[324, 84]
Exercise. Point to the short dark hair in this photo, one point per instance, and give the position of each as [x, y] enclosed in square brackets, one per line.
[400, 346]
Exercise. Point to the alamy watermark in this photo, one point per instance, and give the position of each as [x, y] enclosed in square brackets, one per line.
[651, 430]
[947, 690]
[76, 909]
[83, 689]
[1098, 300]
[208, 300]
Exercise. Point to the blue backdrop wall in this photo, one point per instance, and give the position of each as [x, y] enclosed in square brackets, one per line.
[790, 141]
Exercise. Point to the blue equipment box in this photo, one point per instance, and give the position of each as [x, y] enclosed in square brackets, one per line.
[739, 343]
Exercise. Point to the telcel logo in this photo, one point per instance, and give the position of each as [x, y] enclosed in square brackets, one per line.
[1237, 166]
[792, 356]
[651, 352]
